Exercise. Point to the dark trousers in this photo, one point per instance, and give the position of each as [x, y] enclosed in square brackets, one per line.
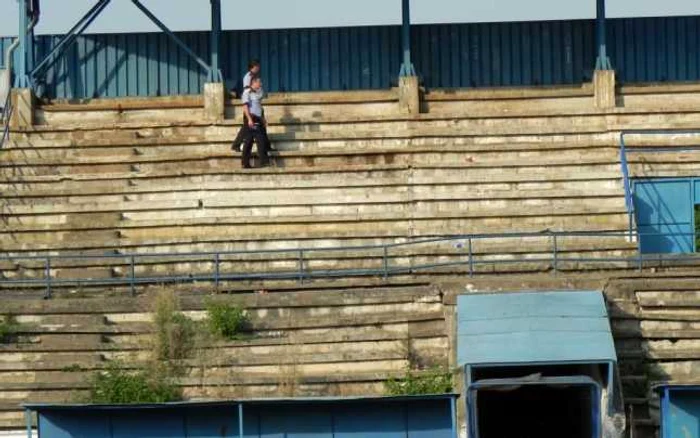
[241, 136]
[259, 136]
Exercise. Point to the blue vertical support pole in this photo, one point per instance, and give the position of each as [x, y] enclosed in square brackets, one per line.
[22, 72]
[215, 71]
[31, 24]
[240, 420]
[29, 422]
[602, 61]
[407, 65]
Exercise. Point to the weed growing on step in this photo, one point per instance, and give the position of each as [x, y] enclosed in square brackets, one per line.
[433, 381]
[116, 385]
[226, 320]
[74, 368]
[8, 329]
[174, 332]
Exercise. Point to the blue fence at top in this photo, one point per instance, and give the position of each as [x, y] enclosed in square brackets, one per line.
[446, 56]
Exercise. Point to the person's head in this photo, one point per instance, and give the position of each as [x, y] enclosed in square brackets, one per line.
[254, 66]
[256, 83]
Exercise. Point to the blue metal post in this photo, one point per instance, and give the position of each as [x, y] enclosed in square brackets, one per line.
[30, 34]
[602, 62]
[22, 77]
[407, 66]
[665, 413]
[240, 420]
[453, 410]
[215, 72]
[28, 420]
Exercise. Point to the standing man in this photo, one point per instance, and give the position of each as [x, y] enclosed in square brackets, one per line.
[255, 123]
[253, 72]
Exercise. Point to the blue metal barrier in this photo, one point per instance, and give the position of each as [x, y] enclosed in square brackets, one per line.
[624, 164]
[463, 245]
[6, 115]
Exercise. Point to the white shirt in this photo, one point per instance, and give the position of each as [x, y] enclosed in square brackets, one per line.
[254, 101]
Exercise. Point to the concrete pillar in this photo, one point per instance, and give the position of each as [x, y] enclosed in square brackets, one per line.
[214, 101]
[409, 95]
[604, 89]
[22, 108]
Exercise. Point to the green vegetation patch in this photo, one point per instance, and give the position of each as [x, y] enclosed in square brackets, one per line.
[433, 381]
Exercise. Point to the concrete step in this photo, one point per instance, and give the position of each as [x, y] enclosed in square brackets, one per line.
[165, 239]
[329, 228]
[65, 147]
[535, 124]
[385, 205]
[272, 347]
[56, 210]
[327, 294]
[665, 299]
[450, 174]
[547, 179]
[184, 190]
[281, 160]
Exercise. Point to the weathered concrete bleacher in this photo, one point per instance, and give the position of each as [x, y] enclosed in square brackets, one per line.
[341, 338]
[149, 176]
[332, 341]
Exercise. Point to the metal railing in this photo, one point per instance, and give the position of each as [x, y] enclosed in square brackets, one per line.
[624, 164]
[466, 254]
[6, 115]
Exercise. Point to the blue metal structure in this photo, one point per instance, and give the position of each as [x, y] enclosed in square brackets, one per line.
[384, 417]
[527, 328]
[680, 410]
[602, 61]
[665, 214]
[407, 68]
[29, 76]
[537, 332]
[474, 55]
[537, 327]
[661, 210]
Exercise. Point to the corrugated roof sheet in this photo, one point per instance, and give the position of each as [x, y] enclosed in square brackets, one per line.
[534, 327]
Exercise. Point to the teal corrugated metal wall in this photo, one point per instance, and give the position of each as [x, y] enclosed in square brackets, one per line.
[446, 56]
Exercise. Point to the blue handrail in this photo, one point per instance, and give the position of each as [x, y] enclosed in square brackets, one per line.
[463, 246]
[624, 164]
[629, 201]
[6, 115]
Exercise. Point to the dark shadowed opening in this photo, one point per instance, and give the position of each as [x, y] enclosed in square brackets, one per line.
[535, 412]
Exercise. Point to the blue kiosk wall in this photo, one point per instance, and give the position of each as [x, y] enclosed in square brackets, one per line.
[395, 417]
[680, 411]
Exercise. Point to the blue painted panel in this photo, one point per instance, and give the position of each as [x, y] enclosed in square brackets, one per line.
[513, 328]
[532, 304]
[296, 422]
[538, 324]
[664, 215]
[536, 347]
[372, 422]
[418, 417]
[428, 421]
[73, 425]
[445, 56]
[212, 423]
[681, 414]
[148, 424]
